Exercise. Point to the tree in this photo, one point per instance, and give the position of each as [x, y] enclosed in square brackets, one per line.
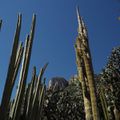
[110, 81]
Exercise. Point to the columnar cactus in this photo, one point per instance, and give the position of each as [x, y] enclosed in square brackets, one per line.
[12, 71]
[30, 94]
[37, 95]
[24, 72]
[83, 38]
[82, 77]
[104, 103]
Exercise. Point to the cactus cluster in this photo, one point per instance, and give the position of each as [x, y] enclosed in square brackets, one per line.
[29, 98]
[78, 100]
[104, 99]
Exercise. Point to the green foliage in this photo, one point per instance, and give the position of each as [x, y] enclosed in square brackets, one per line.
[66, 104]
[110, 80]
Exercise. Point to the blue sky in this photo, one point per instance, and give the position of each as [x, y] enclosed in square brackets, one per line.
[56, 32]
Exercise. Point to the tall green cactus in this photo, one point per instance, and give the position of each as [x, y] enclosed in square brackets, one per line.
[24, 72]
[82, 34]
[12, 72]
[30, 94]
[41, 100]
[82, 77]
[38, 88]
[21, 85]
[29, 100]
[104, 103]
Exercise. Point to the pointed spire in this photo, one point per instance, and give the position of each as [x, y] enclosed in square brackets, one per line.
[81, 25]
